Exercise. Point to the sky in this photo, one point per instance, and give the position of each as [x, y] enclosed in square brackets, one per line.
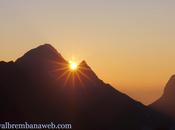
[129, 44]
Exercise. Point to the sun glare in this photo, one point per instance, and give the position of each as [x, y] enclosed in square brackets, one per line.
[73, 66]
[71, 71]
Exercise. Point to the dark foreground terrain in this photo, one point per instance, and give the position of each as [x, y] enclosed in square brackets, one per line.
[39, 87]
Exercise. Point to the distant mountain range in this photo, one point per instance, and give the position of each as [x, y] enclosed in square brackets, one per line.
[39, 87]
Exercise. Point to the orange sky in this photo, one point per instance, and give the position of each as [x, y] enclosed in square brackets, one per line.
[128, 44]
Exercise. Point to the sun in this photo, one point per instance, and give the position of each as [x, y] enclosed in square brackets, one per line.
[73, 65]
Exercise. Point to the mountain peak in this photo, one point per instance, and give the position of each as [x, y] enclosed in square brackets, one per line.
[85, 68]
[84, 64]
[42, 52]
[170, 86]
[41, 58]
[46, 46]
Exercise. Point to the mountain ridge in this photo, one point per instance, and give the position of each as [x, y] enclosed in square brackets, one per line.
[43, 88]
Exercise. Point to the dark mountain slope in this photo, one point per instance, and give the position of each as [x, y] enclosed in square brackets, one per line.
[166, 103]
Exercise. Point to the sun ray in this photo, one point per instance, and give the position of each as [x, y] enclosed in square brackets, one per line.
[81, 82]
[67, 78]
[83, 74]
[60, 66]
[63, 68]
[73, 79]
[63, 74]
[83, 68]
[57, 63]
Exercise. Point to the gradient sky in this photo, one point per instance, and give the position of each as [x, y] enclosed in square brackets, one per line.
[128, 43]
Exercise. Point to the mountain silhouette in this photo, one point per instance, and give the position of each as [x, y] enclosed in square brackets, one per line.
[166, 103]
[39, 87]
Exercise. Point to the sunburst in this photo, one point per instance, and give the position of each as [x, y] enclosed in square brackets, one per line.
[70, 70]
[73, 65]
